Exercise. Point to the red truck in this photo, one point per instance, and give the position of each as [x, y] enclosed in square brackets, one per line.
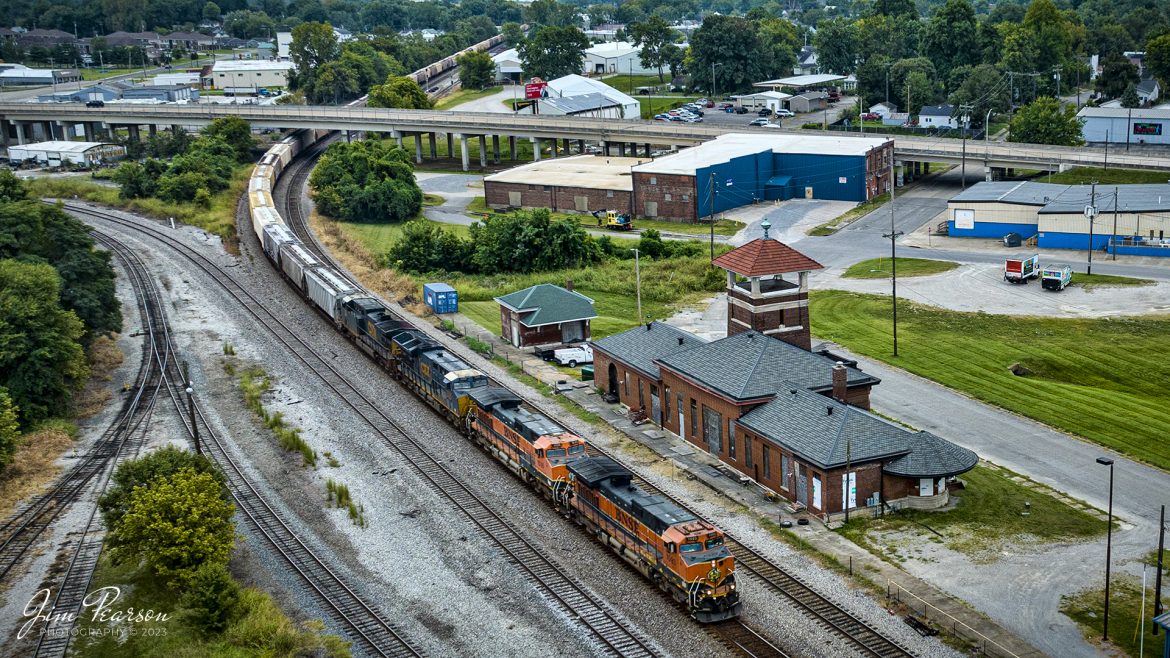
[1018, 269]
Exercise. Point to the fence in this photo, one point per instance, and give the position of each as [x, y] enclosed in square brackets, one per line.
[985, 645]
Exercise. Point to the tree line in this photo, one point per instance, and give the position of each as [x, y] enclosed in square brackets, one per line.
[56, 297]
[366, 181]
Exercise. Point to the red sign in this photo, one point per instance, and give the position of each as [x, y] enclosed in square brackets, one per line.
[532, 90]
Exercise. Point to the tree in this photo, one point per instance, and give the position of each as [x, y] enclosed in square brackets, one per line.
[9, 428]
[896, 37]
[1117, 73]
[983, 87]
[175, 525]
[550, 13]
[730, 43]
[236, 133]
[652, 36]
[1051, 35]
[141, 472]
[367, 181]
[474, 29]
[529, 241]
[247, 24]
[11, 188]
[781, 42]
[476, 70]
[553, 52]
[400, 91]
[836, 46]
[41, 360]
[894, 8]
[1158, 58]
[951, 38]
[915, 82]
[313, 45]
[212, 597]
[1130, 97]
[427, 247]
[1044, 121]
[211, 12]
[513, 33]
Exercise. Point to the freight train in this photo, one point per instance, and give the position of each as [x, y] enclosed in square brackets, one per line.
[682, 554]
[427, 73]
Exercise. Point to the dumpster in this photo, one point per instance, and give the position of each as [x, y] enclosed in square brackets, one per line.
[587, 373]
[441, 298]
[1012, 240]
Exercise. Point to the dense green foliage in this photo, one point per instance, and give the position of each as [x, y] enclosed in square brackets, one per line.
[41, 359]
[526, 241]
[552, 52]
[213, 597]
[9, 428]
[141, 472]
[400, 91]
[1044, 121]
[197, 169]
[366, 181]
[476, 70]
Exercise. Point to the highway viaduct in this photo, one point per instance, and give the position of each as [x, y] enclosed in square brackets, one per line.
[19, 122]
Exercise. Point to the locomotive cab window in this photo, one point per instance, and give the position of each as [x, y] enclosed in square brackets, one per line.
[691, 547]
[555, 452]
[671, 547]
[540, 452]
[714, 542]
[577, 449]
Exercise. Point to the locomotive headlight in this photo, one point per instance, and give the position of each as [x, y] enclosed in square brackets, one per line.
[733, 587]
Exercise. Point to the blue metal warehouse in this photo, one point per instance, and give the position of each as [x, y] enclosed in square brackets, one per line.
[1120, 125]
[1128, 219]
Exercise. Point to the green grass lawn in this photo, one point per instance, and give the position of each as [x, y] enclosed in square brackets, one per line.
[628, 84]
[879, 268]
[1093, 281]
[96, 73]
[989, 512]
[378, 238]
[1089, 376]
[464, 95]
[1104, 176]
[1087, 609]
[659, 104]
[726, 227]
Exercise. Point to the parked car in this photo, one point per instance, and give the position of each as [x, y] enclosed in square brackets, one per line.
[785, 113]
[741, 110]
[759, 122]
[871, 116]
[95, 103]
[662, 117]
[766, 112]
[709, 104]
[771, 125]
[725, 106]
[572, 356]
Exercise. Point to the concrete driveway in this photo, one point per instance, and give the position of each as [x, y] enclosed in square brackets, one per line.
[493, 103]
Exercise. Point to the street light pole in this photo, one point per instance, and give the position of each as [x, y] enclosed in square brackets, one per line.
[893, 236]
[638, 283]
[1091, 213]
[1105, 461]
[191, 411]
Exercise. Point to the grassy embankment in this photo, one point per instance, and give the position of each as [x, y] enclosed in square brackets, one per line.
[879, 268]
[1088, 376]
[1086, 608]
[464, 95]
[260, 629]
[218, 218]
[1111, 176]
[1093, 281]
[990, 512]
[102, 74]
[725, 227]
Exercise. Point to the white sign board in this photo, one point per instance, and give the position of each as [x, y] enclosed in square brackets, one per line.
[964, 218]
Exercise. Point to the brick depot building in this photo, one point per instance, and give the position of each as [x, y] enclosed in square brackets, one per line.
[582, 183]
[793, 420]
[750, 168]
[545, 314]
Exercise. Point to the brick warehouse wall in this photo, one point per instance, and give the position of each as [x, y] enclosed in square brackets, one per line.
[674, 195]
[553, 197]
[628, 382]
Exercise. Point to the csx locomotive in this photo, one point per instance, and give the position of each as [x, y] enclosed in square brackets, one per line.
[682, 554]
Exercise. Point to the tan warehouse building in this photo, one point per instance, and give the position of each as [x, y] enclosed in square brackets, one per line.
[583, 183]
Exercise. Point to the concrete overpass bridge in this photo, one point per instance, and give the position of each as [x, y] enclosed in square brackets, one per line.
[20, 121]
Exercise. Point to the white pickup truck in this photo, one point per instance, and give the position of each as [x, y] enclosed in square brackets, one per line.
[574, 356]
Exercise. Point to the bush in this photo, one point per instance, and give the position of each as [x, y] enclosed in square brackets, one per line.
[366, 181]
[212, 598]
[427, 247]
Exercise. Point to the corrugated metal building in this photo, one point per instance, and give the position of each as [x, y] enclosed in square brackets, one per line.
[1119, 125]
[1131, 219]
[54, 154]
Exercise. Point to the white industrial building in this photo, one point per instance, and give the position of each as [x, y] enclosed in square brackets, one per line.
[772, 100]
[1120, 125]
[187, 78]
[283, 41]
[603, 95]
[54, 154]
[615, 57]
[241, 76]
[508, 65]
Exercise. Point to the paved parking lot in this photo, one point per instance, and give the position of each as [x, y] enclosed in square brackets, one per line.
[716, 117]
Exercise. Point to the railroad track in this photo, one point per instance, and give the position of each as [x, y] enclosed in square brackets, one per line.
[606, 629]
[868, 640]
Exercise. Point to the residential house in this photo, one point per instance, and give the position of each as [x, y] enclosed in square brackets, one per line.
[1148, 91]
[190, 41]
[938, 116]
[806, 61]
[883, 109]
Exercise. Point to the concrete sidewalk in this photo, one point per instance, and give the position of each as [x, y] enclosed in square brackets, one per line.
[946, 612]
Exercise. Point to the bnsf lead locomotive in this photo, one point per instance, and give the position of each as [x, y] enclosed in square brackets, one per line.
[684, 555]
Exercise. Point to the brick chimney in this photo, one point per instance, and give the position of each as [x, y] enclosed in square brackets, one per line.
[840, 381]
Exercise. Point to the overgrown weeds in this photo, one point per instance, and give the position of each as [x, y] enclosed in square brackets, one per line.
[254, 383]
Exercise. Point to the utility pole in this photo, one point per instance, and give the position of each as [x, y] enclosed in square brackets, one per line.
[1090, 213]
[893, 236]
[712, 215]
[191, 411]
[965, 116]
[638, 280]
[1116, 203]
[1158, 573]
[1056, 76]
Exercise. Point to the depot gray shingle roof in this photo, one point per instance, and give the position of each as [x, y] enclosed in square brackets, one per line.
[830, 435]
[751, 365]
[641, 346]
[545, 304]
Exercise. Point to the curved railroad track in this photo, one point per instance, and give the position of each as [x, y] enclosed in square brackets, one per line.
[377, 635]
[831, 616]
[612, 635]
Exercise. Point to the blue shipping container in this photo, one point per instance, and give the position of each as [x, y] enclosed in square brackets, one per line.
[441, 298]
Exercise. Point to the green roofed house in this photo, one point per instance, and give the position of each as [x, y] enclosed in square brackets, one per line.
[545, 314]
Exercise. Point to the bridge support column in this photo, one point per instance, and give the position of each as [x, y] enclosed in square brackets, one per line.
[153, 130]
[899, 167]
[605, 148]
[535, 148]
[134, 134]
[450, 146]
[647, 150]
[463, 152]
[434, 151]
[3, 132]
[418, 148]
[554, 148]
[622, 149]
[580, 146]
[1011, 172]
[925, 168]
[568, 146]
[397, 138]
[512, 147]
[496, 149]
[89, 131]
[482, 151]
[20, 133]
[989, 173]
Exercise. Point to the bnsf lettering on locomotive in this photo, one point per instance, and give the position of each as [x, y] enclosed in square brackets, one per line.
[628, 521]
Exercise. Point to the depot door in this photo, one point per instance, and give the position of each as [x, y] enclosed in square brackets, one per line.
[801, 484]
[682, 432]
[655, 410]
[613, 380]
